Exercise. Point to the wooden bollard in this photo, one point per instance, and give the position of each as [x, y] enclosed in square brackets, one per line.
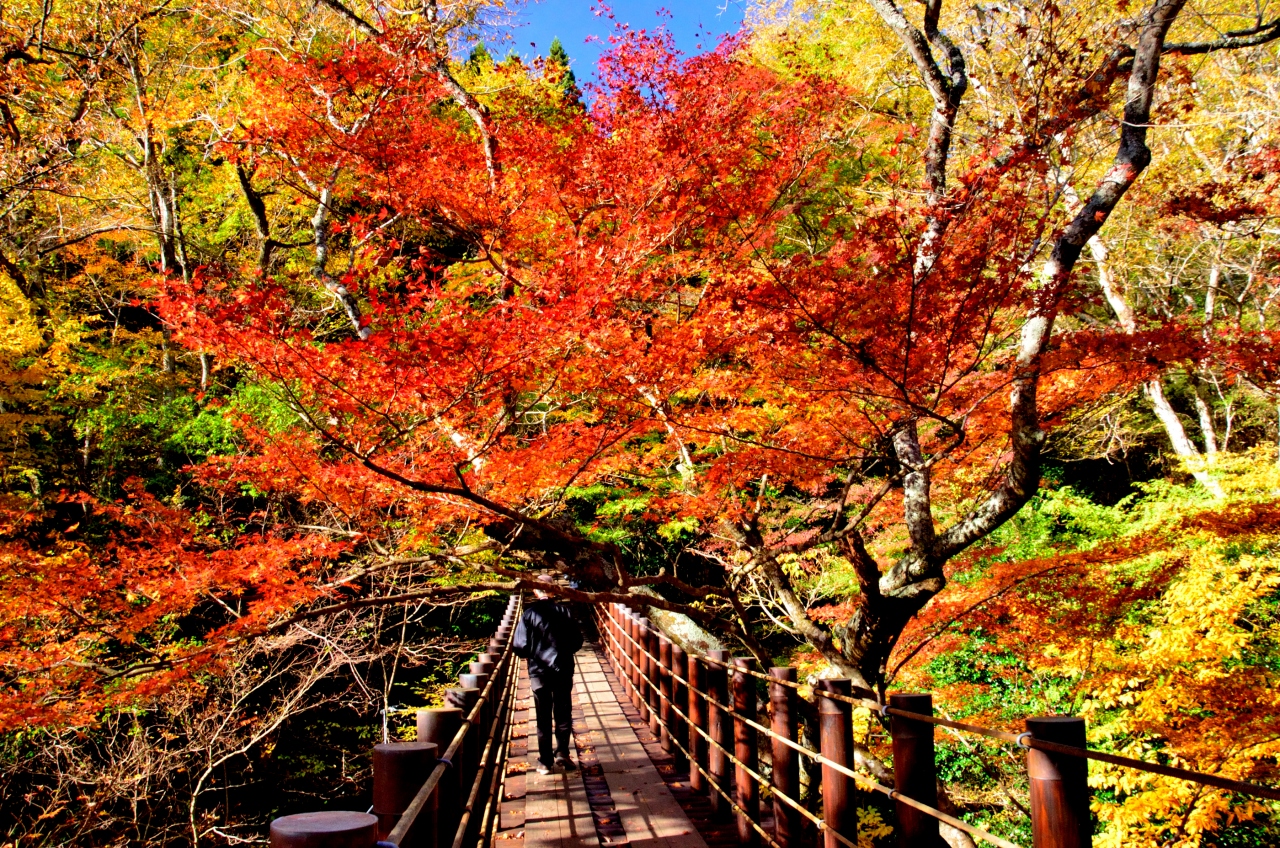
[325, 830]
[697, 721]
[664, 693]
[654, 672]
[399, 770]
[1059, 785]
[835, 730]
[787, 822]
[745, 749]
[680, 702]
[721, 730]
[440, 726]
[914, 771]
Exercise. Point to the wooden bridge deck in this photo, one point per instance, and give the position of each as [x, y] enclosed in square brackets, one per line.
[618, 797]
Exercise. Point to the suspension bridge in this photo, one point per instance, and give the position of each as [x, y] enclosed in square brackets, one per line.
[683, 750]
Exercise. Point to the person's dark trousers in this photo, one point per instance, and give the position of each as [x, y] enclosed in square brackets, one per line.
[552, 701]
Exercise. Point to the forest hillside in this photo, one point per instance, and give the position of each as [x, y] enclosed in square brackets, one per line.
[927, 345]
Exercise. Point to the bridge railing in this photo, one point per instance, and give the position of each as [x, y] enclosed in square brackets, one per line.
[703, 710]
[443, 790]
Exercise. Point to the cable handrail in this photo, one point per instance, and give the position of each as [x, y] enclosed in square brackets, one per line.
[407, 819]
[1022, 740]
[817, 757]
[499, 716]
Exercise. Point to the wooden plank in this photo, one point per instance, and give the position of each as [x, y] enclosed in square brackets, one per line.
[557, 814]
[650, 815]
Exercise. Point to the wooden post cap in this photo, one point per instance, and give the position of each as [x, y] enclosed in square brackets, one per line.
[325, 830]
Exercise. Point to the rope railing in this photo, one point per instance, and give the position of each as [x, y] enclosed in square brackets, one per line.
[458, 802]
[1024, 740]
[764, 782]
[412, 812]
[1053, 744]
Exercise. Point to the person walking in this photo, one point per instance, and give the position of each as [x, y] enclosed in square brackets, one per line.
[547, 637]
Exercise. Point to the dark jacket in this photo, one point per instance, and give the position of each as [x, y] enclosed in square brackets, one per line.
[548, 637]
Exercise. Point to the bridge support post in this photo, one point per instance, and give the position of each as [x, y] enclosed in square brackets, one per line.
[440, 726]
[399, 770]
[664, 693]
[835, 730]
[325, 830]
[914, 771]
[680, 700]
[1059, 785]
[697, 721]
[787, 822]
[721, 731]
[745, 750]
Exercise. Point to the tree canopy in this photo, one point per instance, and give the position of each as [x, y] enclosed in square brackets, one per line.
[319, 312]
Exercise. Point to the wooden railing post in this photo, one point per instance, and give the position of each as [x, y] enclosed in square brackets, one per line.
[619, 641]
[616, 620]
[835, 730]
[332, 830]
[467, 759]
[697, 721]
[680, 699]
[439, 726]
[786, 760]
[664, 693]
[914, 771]
[477, 682]
[624, 653]
[642, 666]
[1059, 785]
[399, 770]
[721, 731]
[608, 633]
[743, 686]
[653, 671]
[627, 653]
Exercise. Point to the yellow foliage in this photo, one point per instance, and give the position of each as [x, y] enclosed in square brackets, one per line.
[871, 827]
[1178, 685]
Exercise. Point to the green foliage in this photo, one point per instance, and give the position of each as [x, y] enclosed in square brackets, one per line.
[561, 74]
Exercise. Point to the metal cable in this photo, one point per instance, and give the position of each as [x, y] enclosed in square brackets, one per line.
[1022, 740]
[498, 779]
[876, 786]
[403, 824]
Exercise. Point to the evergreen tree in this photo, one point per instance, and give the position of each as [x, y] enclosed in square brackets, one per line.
[567, 83]
[479, 57]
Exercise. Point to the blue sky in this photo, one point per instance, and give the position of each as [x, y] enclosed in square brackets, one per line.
[691, 22]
